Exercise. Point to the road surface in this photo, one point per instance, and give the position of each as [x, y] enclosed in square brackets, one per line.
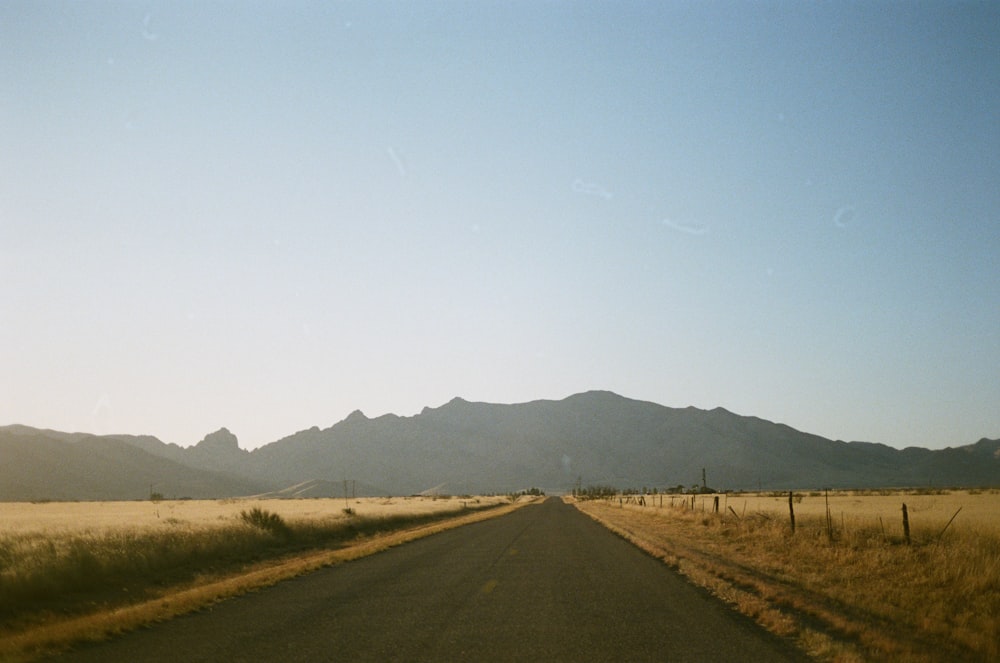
[545, 583]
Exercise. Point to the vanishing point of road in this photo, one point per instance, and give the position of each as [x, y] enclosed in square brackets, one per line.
[544, 583]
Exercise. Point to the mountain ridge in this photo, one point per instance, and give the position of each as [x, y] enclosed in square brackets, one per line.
[467, 447]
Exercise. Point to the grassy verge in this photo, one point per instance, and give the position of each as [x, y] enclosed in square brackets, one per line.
[846, 594]
[85, 588]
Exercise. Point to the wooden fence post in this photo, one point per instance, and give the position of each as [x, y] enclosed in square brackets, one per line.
[715, 508]
[829, 519]
[791, 511]
[947, 526]
[906, 525]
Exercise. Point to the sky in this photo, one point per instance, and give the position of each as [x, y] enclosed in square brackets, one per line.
[264, 216]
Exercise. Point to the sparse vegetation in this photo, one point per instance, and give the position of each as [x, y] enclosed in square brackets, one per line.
[846, 586]
[531, 492]
[595, 492]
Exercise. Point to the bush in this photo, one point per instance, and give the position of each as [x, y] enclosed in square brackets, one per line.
[265, 520]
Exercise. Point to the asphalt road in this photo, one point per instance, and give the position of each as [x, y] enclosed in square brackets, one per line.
[544, 583]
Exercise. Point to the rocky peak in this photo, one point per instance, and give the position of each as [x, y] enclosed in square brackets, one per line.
[220, 440]
[356, 416]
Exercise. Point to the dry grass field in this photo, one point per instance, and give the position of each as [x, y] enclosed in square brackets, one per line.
[847, 587]
[54, 519]
[928, 511]
[88, 569]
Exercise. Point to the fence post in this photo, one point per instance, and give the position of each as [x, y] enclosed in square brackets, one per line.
[829, 519]
[947, 526]
[906, 525]
[791, 511]
[715, 507]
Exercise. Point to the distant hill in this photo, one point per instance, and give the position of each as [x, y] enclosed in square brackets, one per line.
[461, 447]
[46, 465]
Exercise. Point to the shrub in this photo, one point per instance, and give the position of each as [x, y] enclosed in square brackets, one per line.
[265, 520]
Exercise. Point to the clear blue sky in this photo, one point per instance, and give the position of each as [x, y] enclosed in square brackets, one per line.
[266, 215]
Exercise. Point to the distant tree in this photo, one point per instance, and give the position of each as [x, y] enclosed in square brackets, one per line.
[596, 492]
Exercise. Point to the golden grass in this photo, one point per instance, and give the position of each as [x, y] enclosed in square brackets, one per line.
[862, 594]
[928, 510]
[53, 518]
[23, 640]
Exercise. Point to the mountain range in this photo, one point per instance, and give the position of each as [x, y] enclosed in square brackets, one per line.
[593, 438]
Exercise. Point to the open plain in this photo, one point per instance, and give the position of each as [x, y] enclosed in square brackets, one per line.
[53, 519]
[846, 585]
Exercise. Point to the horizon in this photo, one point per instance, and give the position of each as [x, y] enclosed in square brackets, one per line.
[264, 218]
